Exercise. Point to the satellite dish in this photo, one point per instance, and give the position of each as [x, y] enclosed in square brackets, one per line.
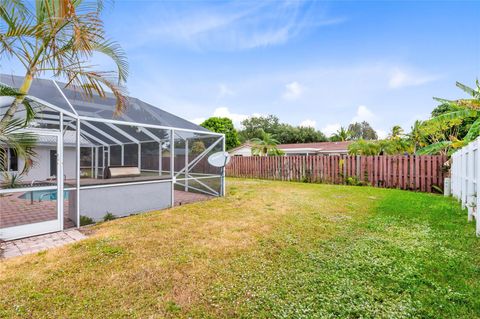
[219, 159]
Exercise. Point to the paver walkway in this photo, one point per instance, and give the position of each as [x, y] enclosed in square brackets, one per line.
[35, 244]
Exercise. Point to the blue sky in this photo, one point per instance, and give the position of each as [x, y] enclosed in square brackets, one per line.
[317, 63]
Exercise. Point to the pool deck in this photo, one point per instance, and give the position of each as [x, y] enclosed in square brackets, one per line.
[37, 211]
[16, 211]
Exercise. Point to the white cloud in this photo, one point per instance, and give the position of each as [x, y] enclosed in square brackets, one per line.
[381, 134]
[235, 117]
[235, 25]
[293, 91]
[364, 114]
[198, 120]
[401, 78]
[224, 91]
[330, 129]
[308, 123]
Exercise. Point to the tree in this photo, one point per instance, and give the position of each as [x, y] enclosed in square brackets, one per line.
[362, 130]
[396, 133]
[58, 37]
[254, 126]
[267, 145]
[19, 142]
[341, 135]
[285, 133]
[416, 135]
[288, 134]
[225, 126]
[452, 115]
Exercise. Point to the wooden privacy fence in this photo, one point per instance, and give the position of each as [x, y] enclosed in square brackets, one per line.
[420, 173]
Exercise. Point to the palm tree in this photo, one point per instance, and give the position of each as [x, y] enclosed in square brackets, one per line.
[461, 109]
[267, 145]
[416, 135]
[58, 37]
[19, 142]
[341, 135]
[396, 133]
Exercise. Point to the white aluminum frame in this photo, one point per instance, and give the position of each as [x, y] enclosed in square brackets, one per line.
[26, 230]
[97, 143]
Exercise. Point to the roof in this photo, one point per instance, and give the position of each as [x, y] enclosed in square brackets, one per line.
[247, 144]
[137, 111]
[318, 146]
[69, 139]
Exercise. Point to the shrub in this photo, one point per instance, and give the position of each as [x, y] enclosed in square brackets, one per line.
[85, 220]
[109, 216]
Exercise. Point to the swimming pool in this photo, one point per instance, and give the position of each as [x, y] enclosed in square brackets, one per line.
[42, 195]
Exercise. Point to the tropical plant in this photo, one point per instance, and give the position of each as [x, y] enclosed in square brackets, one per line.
[267, 145]
[396, 133]
[460, 110]
[380, 147]
[12, 180]
[342, 134]
[60, 37]
[416, 135]
[21, 143]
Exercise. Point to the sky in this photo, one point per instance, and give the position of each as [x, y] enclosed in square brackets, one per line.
[314, 63]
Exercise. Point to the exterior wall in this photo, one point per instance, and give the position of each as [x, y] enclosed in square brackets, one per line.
[242, 151]
[122, 200]
[41, 169]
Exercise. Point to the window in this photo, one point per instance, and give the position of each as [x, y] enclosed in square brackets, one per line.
[12, 159]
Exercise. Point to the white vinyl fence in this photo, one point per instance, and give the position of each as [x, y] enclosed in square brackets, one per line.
[465, 178]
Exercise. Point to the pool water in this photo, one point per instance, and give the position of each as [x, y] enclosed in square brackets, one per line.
[42, 195]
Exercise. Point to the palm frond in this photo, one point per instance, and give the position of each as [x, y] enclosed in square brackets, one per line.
[29, 110]
[462, 113]
[473, 132]
[434, 148]
[116, 53]
[473, 93]
[22, 143]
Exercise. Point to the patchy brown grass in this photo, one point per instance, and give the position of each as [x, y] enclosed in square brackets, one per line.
[160, 263]
[190, 261]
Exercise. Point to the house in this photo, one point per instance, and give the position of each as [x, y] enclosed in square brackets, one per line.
[318, 148]
[90, 161]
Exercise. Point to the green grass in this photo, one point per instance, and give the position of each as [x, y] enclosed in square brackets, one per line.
[268, 250]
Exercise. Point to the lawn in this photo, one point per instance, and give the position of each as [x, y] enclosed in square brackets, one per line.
[268, 250]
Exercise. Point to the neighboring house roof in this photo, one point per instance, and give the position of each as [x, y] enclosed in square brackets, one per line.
[69, 139]
[247, 144]
[319, 146]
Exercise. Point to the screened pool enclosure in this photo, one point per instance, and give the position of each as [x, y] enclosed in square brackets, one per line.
[90, 162]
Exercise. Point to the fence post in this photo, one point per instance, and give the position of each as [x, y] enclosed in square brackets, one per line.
[469, 174]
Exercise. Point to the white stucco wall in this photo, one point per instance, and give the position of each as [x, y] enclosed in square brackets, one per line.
[41, 169]
[243, 151]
